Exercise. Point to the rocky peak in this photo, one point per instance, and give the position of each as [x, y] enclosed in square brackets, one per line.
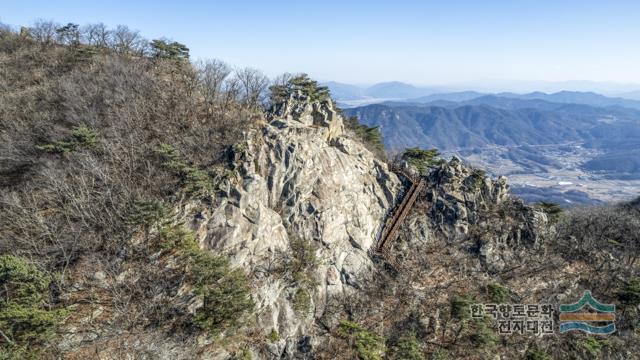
[463, 190]
[301, 179]
[320, 113]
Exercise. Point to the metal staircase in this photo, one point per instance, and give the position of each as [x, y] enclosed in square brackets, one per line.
[392, 225]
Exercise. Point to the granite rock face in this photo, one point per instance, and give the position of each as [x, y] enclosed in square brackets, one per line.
[320, 114]
[466, 204]
[459, 194]
[300, 178]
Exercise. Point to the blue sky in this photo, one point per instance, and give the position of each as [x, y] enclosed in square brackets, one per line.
[423, 42]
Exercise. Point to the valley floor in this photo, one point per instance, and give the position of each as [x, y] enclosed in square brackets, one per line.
[555, 173]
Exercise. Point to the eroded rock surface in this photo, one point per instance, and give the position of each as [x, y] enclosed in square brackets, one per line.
[301, 178]
[463, 203]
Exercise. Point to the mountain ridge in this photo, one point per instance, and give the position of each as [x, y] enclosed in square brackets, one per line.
[524, 138]
[423, 94]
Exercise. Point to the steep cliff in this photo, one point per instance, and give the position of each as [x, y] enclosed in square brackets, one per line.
[300, 179]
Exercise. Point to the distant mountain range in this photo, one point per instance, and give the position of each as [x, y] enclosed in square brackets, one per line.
[633, 95]
[402, 91]
[385, 90]
[575, 97]
[532, 133]
[492, 120]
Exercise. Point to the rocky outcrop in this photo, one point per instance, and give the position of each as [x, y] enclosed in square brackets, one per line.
[459, 194]
[320, 114]
[300, 178]
[465, 204]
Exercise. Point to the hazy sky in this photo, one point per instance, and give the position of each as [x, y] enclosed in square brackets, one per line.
[423, 42]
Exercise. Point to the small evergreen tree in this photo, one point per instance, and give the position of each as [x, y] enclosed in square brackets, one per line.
[81, 136]
[195, 181]
[69, 34]
[407, 347]
[302, 83]
[169, 50]
[225, 291]
[26, 318]
[367, 345]
[370, 136]
[461, 307]
[497, 293]
[537, 354]
[421, 159]
[552, 210]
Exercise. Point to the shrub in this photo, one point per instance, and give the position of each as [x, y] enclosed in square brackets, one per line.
[195, 181]
[593, 346]
[477, 179]
[367, 345]
[148, 214]
[298, 269]
[178, 238]
[26, 318]
[225, 291]
[371, 137]
[537, 354]
[482, 335]
[19, 353]
[81, 136]
[584, 232]
[302, 301]
[171, 159]
[460, 307]
[243, 354]
[273, 336]
[497, 293]
[304, 259]
[407, 347]
[440, 354]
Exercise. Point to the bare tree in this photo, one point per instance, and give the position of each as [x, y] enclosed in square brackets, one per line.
[588, 231]
[283, 79]
[44, 31]
[253, 84]
[127, 41]
[212, 74]
[97, 35]
[230, 93]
